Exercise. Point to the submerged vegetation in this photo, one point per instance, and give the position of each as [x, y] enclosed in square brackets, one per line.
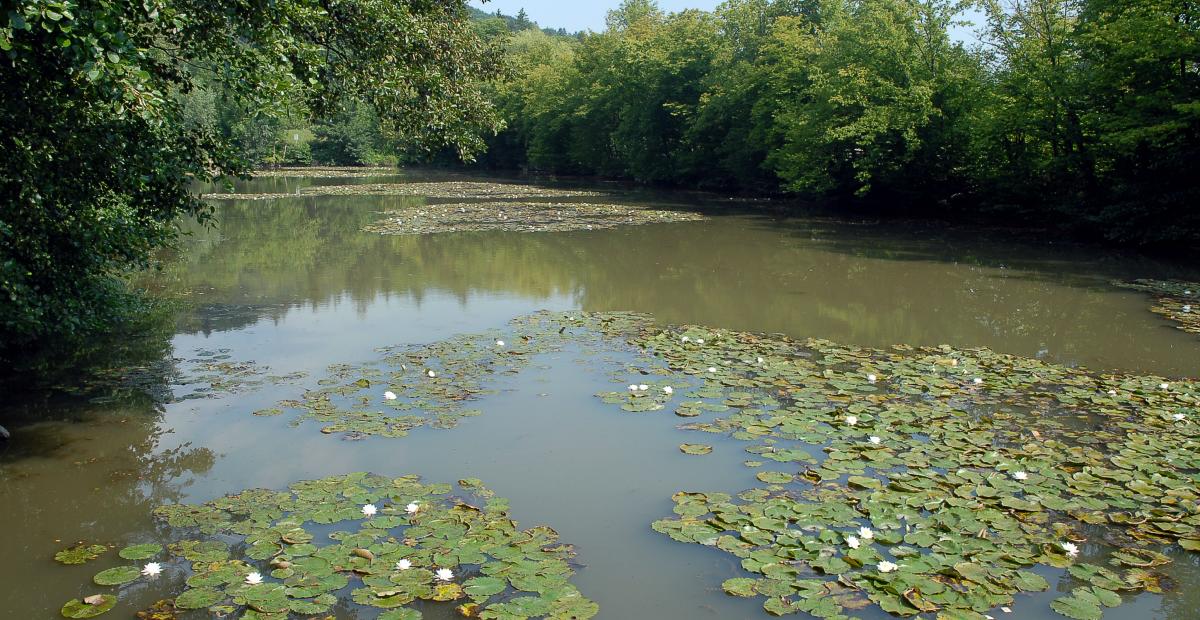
[379, 542]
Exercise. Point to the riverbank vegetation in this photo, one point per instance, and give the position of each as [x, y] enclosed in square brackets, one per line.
[1083, 115]
[102, 122]
[1078, 116]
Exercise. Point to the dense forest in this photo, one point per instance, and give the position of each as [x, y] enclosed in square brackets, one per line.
[1078, 115]
[112, 110]
[1082, 114]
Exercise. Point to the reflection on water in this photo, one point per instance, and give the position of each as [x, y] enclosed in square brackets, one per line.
[294, 286]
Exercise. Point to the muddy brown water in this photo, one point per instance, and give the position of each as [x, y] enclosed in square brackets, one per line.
[294, 285]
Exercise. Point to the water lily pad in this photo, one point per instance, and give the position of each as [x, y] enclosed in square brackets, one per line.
[80, 609]
[387, 561]
[695, 449]
[80, 554]
[964, 456]
[117, 576]
[1077, 608]
[140, 552]
[199, 598]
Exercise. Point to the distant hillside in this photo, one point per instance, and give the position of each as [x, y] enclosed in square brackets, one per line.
[515, 23]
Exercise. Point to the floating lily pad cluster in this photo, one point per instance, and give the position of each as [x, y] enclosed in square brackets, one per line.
[81, 553]
[434, 385]
[1178, 301]
[522, 217]
[215, 372]
[932, 480]
[206, 374]
[376, 541]
[438, 189]
[320, 172]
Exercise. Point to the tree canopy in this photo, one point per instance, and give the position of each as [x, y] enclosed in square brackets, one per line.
[99, 108]
[1083, 115]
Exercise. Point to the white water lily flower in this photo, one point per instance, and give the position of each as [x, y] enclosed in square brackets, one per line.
[1187, 308]
[684, 339]
[445, 574]
[875, 440]
[152, 569]
[1179, 417]
[853, 542]
[762, 361]
[866, 533]
[851, 420]
[254, 579]
[1006, 610]
[499, 343]
[887, 567]
[699, 341]
[403, 565]
[1165, 386]
[389, 396]
[412, 508]
[1112, 392]
[712, 369]
[369, 510]
[643, 387]
[978, 381]
[668, 390]
[1020, 475]
[872, 378]
[633, 387]
[432, 375]
[1071, 549]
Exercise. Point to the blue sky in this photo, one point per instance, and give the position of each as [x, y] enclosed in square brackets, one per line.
[575, 16]
[578, 15]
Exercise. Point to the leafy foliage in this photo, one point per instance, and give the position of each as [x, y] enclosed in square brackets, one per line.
[379, 542]
[1073, 113]
[102, 143]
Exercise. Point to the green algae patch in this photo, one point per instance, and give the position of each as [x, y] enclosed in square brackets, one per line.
[81, 553]
[523, 217]
[387, 543]
[438, 189]
[1177, 301]
[932, 480]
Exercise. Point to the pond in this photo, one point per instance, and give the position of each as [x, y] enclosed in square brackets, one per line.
[290, 296]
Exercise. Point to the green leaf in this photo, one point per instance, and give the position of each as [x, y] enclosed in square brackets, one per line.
[199, 598]
[117, 576]
[140, 552]
[1076, 608]
[740, 586]
[76, 608]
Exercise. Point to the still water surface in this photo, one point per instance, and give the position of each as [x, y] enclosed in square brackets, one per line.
[295, 286]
